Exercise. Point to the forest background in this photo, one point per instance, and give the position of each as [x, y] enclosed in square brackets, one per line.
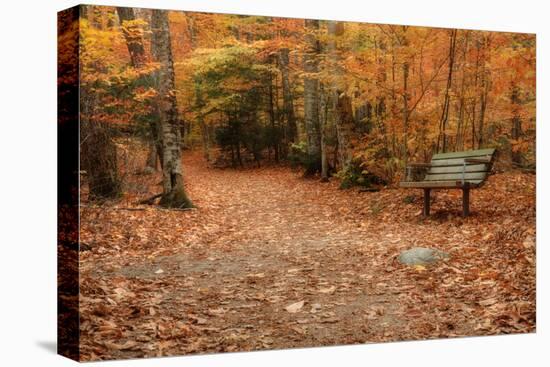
[31, 343]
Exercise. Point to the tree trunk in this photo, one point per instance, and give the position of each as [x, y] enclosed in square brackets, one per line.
[199, 104]
[133, 36]
[98, 152]
[323, 112]
[405, 145]
[485, 82]
[199, 100]
[459, 143]
[445, 113]
[483, 107]
[152, 155]
[516, 131]
[343, 111]
[96, 16]
[272, 119]
[291, 131]
[174, 195]
[311, 97]
[134, 42]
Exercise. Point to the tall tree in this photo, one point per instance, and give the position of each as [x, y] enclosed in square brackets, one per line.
[138, 58]
[174, 195]
[291, 130]
[516, 131]
[199, 105]
[133, 36]
[459, 142]
[323, 123]
[98, 151]
[199, 98]
[343, 112]
[485, 87]
[445, 112]
[311, 96]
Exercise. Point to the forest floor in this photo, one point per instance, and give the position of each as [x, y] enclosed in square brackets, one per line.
[271, 260]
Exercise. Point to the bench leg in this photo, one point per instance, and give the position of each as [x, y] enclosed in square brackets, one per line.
[466, 201]
[426, 211]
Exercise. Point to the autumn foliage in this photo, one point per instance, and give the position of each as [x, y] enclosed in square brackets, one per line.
[238, 181]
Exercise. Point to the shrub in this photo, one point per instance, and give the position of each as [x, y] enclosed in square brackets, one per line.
[355, 174]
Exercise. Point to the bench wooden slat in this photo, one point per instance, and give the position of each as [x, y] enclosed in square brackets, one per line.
[455, 176]
[458, 168]
[448, 162]
[438, 184]
[465, 154]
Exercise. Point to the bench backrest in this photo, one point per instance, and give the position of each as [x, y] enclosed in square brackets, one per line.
[456, 167]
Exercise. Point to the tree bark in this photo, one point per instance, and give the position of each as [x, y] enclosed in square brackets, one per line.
[98, 155]
[98, 152]
[406, 113]
[445, 113]
[138, 58]
[485, 82]
[311, 97]
[174, 195]
[199, 104]
[459, 143]
[483, 107]
[291, 131]
[272, 118]
[516, 131]
[343, 111]
[133, 36]
[323, 117]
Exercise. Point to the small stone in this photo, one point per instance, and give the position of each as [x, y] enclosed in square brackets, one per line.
[422, 256]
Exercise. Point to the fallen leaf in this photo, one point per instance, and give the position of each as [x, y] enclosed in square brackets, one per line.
[127, 345]
[488, 302]
[295, 307]
[420, 268]
[328, 290]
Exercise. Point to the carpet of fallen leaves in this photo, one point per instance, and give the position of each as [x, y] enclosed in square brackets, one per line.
[272, 260]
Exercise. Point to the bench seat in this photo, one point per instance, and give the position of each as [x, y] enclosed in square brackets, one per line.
[457, 170]
[439, 184]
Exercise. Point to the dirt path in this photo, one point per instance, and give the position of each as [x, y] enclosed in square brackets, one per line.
[220, 278]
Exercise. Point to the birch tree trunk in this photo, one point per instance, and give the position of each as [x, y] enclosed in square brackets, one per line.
[311, 97]
[174, 195]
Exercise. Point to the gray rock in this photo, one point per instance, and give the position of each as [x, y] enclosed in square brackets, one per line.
[422, 256]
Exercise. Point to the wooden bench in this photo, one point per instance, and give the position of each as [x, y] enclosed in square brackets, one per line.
[458, 170]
